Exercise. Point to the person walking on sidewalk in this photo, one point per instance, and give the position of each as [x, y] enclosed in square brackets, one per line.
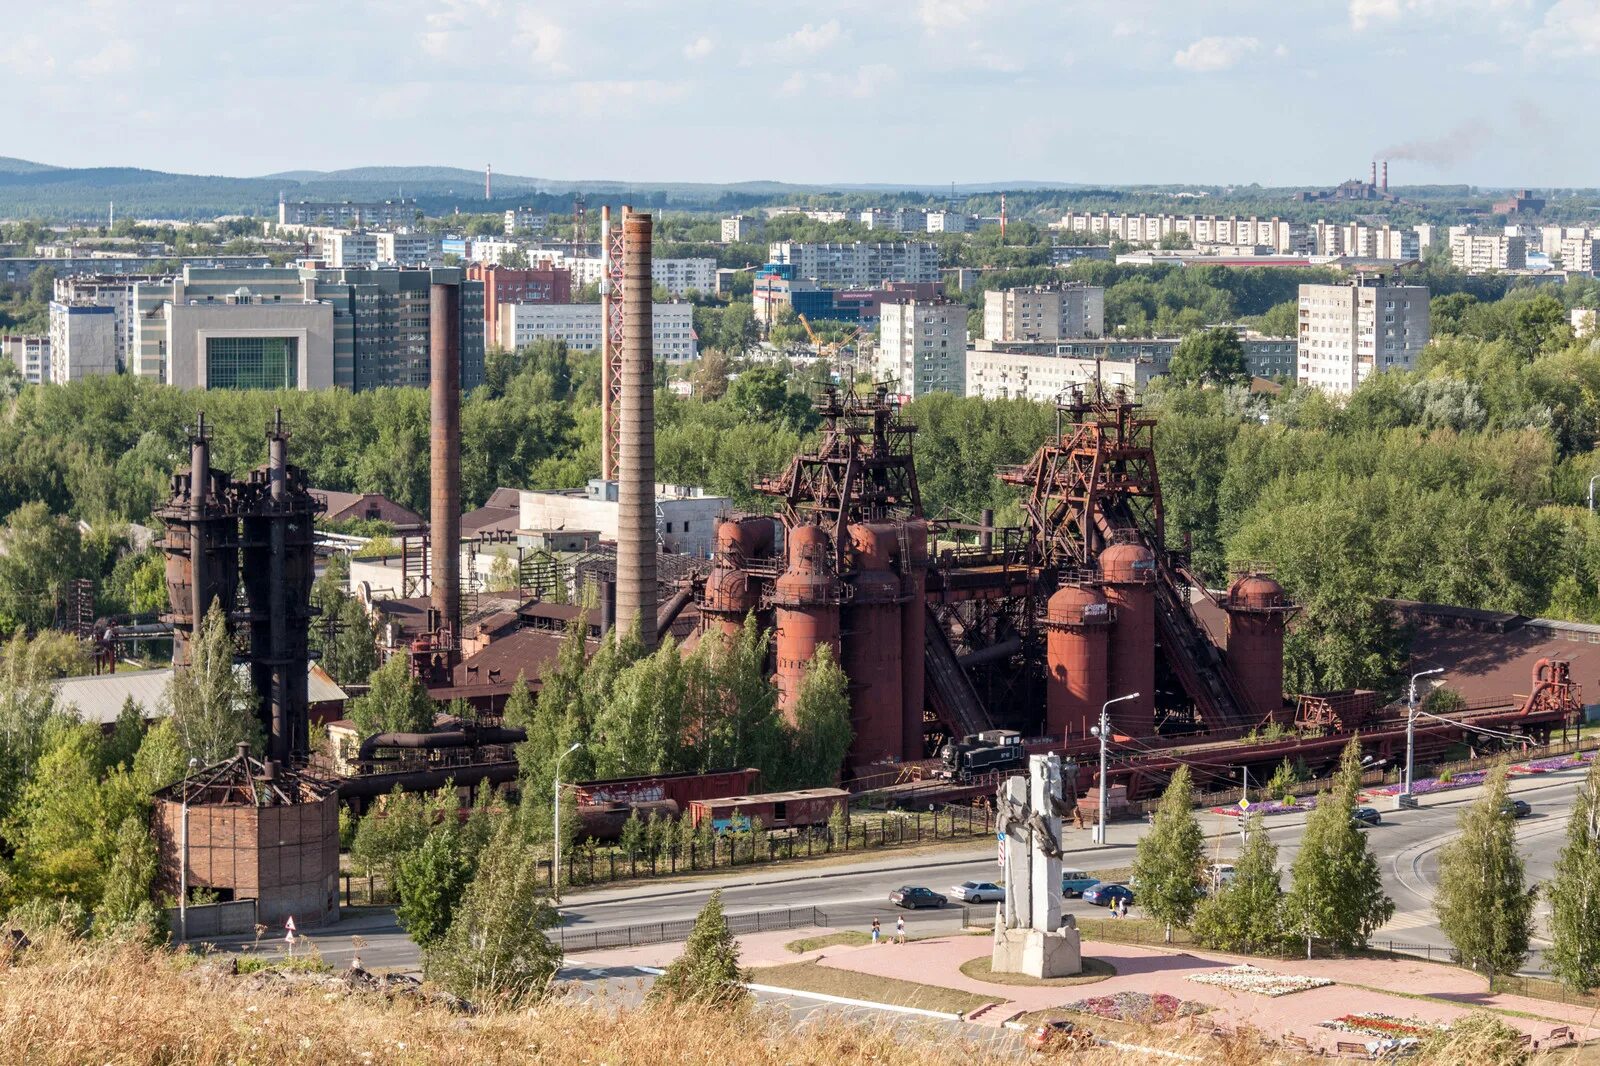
[876, 930]
[900, 930]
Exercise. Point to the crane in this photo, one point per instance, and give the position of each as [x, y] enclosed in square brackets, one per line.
[828, 351]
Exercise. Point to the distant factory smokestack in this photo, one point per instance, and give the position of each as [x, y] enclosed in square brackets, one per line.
[444, 367]
[488, 172]
[1385, 175]
[1374, 172]
[636, 461]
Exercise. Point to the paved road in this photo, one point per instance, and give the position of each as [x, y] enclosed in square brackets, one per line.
[852, 895]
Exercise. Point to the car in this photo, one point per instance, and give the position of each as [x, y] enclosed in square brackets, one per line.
[1217, 875]
[1103, 894]
[913, 897]
[1516, 808]
[1076, 882]
[1057, 1035]
[1362, 817]
[978, 892]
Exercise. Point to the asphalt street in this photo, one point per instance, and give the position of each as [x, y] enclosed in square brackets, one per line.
[1407, 846]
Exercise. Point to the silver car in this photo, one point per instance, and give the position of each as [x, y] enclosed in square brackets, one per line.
[978, 892]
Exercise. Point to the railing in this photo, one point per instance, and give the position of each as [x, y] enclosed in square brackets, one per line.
[633, 936]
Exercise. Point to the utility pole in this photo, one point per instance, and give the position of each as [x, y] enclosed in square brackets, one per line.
[555, 867]
[1591, 492]
[1103, 731]
[1411, 728]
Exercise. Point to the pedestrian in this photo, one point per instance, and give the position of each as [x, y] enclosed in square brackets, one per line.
[1114, 904]
[1122, 904]
[876, 930]
[900, 929]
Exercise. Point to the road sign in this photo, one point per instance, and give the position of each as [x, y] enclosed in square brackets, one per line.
[1244, 805]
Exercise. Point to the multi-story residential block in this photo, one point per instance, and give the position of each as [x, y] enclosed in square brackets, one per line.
[950, 222]
[581, 327]
[246, 343]
[107, 290]
[1477, 253]
[381, 318]
[1042, 378]
[83, 341]
[347, 213]
[1581, 253]
[1360, 241]
[542, 284]
[677, 276]
[860, 264]
[741, 228]
[525, 222]
[30, 352]
[898, 219]
[997, 369]
[1280, 235]
[1349, 332]
[1044, 312]
[349, 248]
[923, 345]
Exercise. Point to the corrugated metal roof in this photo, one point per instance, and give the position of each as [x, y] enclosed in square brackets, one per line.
[99, 697]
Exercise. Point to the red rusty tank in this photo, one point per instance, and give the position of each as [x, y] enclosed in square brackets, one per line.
[730, 596]
[913, 638]
[739, 539]
[872, 658]
[806, 596]
[1129, 572]
[1257, 613]
[1078, 627]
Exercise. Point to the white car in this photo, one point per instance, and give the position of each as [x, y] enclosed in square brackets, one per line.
[978, 892]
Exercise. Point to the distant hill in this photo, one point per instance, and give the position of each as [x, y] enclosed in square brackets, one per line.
[9, 165]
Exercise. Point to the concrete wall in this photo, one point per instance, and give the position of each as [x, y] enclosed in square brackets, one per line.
[235, 918]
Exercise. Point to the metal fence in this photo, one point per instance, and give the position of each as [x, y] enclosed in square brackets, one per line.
[672, 932]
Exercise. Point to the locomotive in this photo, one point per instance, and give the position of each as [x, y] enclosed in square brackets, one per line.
[992, 751]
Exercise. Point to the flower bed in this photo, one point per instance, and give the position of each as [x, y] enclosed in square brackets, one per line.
[1268, 808]
[1554, 763]
[1384, 1025]
[1247, 978]
[1424, 785]
[1138, 1007]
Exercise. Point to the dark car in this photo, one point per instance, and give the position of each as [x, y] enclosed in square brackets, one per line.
[912, 897]
[1103, 895]
[1516, 808]
[1362, 817]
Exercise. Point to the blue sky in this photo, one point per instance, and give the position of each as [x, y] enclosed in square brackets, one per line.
[1494, 92]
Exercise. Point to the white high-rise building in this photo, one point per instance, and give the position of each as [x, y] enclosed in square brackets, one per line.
[525, 222]
[83, 341]
[1348, 332]
[1044, 313]
[581, 326]
[1580, 253]
[31, 354]
[923, 345]
[1477, 253]
[740, 228]
[677, 276]
[860, 265]
[108, 290]
[950, 222]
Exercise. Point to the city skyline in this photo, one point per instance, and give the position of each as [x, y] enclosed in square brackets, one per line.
[1151, 91]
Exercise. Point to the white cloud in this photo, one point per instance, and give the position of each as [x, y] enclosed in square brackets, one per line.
[116, 57]
[485, 31]
[1571, 27]
[1482, 67]
[949, 14]
[809, 39]
[867, 81]
[1364, 13]
[698, 48]
[1210, 54]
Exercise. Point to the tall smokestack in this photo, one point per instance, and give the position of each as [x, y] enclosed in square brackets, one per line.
[636, 463]
[444, 369]
[1374, 172]
[1385, 175]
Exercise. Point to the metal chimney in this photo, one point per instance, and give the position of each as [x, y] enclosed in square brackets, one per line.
[636, 461]
[1374, 172]
[1385, 175]
[444, 370]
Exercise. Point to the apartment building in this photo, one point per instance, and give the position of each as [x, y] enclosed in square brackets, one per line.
[1478, 253]
[525, 222]
[30, 353]
[951, 222]
[581, 327]
[1580, 253]
[1349, 332]
[1279, 235]
[677, 276]
[1001, 365]
[860, 264]
[347, 213]
[897, 219]
[1010, 375]
[107, 290]
[741, 228]
[347, 248]
[83, 341]
[923, 345]
[1044, 312]
[1360, 241]
[542, 284]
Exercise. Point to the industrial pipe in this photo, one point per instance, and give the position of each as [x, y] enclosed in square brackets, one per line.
[993, 653]
[986, 535]
[444, 395]
[636, 466]
[495, 773]
[449, 738]
[672, 609]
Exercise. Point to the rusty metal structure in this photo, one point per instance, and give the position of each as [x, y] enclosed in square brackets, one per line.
[262, 528]
[614, 256]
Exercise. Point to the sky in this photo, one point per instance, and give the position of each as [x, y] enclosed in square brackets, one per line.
[1278, 92]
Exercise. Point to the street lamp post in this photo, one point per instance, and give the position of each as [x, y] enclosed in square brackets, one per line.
[555, 868]
[1411, 727]
[183, 856]
[1591, 491]
[1103, 731]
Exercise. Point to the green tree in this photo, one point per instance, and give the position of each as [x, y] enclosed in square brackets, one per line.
[496, 948]
[1247, 913]
[121, 745]
[1167, 862]
[708, 972]
[822, 732]
[59, 827]
[125, 904]
[395, 703]
[40, 554]
[398, 827]
[430, 882]
[1209, 357]
[213, 704]
[1574, 891]
[1484, 904]
[1337, 893]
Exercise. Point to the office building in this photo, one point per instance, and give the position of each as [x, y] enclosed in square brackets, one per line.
[347, 213]
[923, 345]
[1349, 332]
[83, 341]
[245, 343]
[380, 318]
[543, 284]
[525, 222]
[30, 353]
[860, 264]
[1478, 253]
[1044, 312]
[741, 228]
[581, 325]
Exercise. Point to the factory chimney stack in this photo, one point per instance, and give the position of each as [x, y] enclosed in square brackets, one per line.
[444, 369]
[636, 461]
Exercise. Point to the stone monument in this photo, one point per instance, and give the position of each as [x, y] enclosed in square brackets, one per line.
[1031, 935]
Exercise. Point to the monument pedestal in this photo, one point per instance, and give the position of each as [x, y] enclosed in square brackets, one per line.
[1036, 953]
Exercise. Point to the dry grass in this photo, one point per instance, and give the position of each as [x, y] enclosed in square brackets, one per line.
[831, 981]
[65, 1003]
[854, 938]
[981, 969]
